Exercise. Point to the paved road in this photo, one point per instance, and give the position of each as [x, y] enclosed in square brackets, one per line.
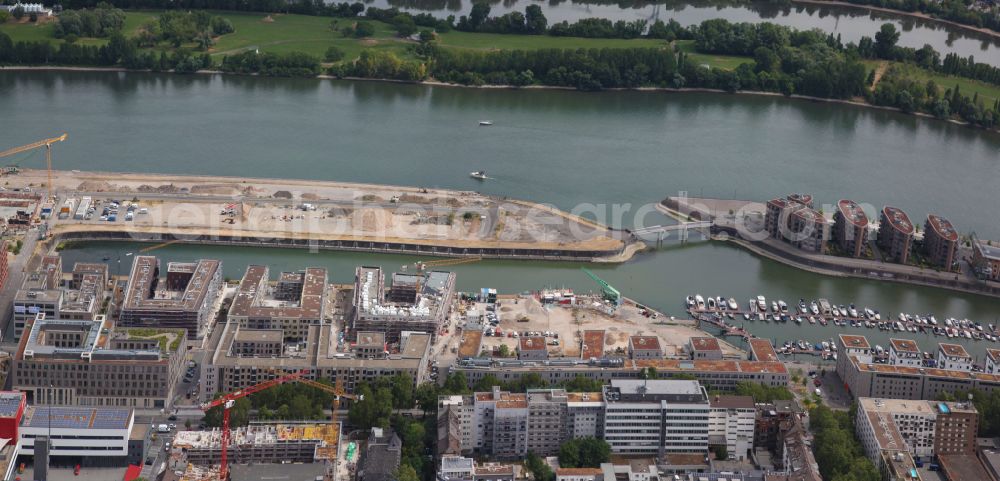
[16, 270]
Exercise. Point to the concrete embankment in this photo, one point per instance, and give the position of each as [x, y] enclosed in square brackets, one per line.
[725, 212]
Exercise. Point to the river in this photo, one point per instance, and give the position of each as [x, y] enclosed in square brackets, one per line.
[572, 149]
[851, 23]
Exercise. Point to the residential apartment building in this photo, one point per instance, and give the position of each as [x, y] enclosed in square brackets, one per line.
[808, 230]
[722, 375]
[458, 468]
[895, 234]
[731, 423]
[644, 347]
[42, 292]
[84, 362]
[243, 357]
[986, 260]
[655, 417]
[904, 352]
[940, 241]
[185, 299]
[920, 429]
[793, 220]
[298, 300]
[413, 302]
[864, 377]
[992, 364]
[850, 228]
[532, 348]
[953, 357]
[705, 348]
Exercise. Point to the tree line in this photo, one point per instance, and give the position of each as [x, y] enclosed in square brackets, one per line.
[838, 452]
[958, 11]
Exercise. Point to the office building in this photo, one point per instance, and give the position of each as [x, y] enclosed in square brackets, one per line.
[731, 424]
[244, 357]
[89, 363]
[850, 228]
[655, 417]
[895, 235]
[940, 241]
[458, 468]
[298, 300]
[864, 377]
[185, 299]
[413, 302]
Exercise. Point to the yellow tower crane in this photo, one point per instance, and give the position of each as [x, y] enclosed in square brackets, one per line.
[47, 143]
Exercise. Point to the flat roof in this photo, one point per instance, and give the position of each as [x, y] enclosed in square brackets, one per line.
[705, 344]
[10, 402]
[854, 341]
[144, 273]
[729, 401]
[472, 341]
[252, 294]
[904, 345]
[533, 343]
[701, 365]
[645, 342]
[583, 397]
[259, 335]
[942, 227]
[371, 339]
[76, 417]
[963, 467]
[853, 212]
[593, 344]
[762, 350]
[898, 219]
[578, 471]
[954, 350]
[657, 386]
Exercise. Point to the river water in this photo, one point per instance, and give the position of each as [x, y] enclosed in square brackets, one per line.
[851, 23]
[575, 150]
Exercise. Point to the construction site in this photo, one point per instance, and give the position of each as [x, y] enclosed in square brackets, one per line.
[196, 454]
[319, 214]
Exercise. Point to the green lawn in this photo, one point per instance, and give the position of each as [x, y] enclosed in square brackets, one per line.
[725, 62]
[988, 93]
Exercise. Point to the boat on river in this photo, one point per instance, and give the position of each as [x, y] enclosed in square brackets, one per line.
[485, 123]
[479, 174]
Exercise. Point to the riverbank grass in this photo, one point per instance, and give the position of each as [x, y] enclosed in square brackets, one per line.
[725, 62]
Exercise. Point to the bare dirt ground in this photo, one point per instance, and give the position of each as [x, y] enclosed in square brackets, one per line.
[526, 314]
[318, 209]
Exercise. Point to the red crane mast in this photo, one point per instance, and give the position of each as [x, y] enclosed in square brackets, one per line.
[228, 400]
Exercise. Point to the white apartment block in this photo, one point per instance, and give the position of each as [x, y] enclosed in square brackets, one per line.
[731, 420]
[992, 365]
[913, 420]
[904, 352]
[954, 357]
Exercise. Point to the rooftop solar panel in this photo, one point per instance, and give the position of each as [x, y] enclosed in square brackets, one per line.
[9, 402]
[77, 418]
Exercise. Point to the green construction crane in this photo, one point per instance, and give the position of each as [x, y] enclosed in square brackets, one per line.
[610, 293]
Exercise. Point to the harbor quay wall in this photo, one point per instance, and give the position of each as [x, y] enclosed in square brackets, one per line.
[373, 246]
